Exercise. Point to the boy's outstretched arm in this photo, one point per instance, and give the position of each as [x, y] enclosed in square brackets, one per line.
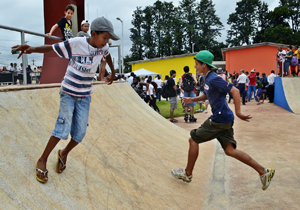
[237, 104]
[112, 68]
[188, 100]
[28, 49]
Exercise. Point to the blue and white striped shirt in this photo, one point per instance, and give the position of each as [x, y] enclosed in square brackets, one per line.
[84, 60]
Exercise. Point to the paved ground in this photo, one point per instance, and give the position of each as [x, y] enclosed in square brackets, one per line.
[125, 160]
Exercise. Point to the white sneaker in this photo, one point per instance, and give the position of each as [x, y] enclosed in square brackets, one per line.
[205, 111]
[180, 174]
[267, 177]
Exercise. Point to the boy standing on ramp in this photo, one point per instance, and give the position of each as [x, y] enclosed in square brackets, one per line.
[85, 55]
[220, 123]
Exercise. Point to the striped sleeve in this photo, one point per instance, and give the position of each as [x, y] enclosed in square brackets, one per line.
[63, 49]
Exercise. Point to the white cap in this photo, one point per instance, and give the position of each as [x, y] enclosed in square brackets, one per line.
[84, 21]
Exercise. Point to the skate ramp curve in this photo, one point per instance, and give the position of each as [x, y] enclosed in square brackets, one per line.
[287, 94]
[124, 161]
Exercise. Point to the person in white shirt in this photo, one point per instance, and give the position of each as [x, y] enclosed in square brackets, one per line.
[130, 79]
[159, 83]
[20, 74]
[271, 79]
[281, 55]
[242, 79]
[14, 71]
[151, 95]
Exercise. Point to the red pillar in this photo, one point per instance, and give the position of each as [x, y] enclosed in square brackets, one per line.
[54, 68]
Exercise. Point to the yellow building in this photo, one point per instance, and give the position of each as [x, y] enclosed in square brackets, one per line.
[164, 65]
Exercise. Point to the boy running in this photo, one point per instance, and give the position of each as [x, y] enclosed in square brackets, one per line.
[85, 55]
[220, 123]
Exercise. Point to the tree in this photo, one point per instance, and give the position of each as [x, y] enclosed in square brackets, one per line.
[148, 38]
[243, 24]
[189, 22]
[136, 35]
[209, 25]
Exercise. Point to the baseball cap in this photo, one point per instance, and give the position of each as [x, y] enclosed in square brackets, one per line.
[206, 57]
[220, 71]
[253, 70]
[84, 21]
[102, 24]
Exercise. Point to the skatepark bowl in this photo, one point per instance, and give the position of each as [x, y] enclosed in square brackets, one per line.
[125, 159]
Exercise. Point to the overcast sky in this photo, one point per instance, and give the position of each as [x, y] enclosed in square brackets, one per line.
[28, 15]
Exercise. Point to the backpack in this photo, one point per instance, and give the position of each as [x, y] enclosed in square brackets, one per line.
[188, 82]
[294, 61]
[165, 91]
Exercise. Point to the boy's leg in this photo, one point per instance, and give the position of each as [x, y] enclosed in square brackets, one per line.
[64, 153]
[192, 157]
[42, 161]
[244, 157]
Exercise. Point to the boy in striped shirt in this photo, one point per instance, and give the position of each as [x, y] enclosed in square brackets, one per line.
[85, 55]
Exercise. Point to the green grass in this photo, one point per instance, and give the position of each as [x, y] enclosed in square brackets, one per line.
[164, 107]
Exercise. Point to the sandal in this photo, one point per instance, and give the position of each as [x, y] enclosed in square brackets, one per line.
[59, 161]
[41, 172]
[174, 121]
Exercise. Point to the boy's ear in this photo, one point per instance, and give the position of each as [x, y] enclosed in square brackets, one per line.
[93, 33]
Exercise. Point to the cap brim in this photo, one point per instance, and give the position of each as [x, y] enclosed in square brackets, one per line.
[207, 63]
[113, 36]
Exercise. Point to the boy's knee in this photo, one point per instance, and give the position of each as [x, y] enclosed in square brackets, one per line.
[230, 150]
[192, 142]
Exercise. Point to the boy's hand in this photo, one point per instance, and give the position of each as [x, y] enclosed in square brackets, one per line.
[49, 35]
[110, 80]
[243, 117]
[186, 100]
[23, 48]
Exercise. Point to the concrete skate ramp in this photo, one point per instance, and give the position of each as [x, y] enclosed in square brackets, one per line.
[287, 94]
[124, 161]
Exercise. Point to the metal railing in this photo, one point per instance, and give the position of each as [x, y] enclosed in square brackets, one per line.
[24, 56]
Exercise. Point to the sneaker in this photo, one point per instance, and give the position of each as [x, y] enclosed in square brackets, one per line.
[267, 177]
[180, 174]
[205, 111]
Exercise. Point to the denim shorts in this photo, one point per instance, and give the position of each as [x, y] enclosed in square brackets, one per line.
[190, 94]
[72, 117]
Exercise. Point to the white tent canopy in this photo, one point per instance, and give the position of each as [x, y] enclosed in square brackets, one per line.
[142, 73]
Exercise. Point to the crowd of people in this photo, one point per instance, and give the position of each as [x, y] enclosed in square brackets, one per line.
[18, 72]
[288, 61]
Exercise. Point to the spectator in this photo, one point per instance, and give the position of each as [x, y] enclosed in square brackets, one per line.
[271, 86]
[187, 83]
[230, 80]
[85, 26]
[138, 86]
[297, 53]
[165, 82]
[4, 69]
[263, 92]
[288, 59]
[258, 90]
[29, 70]
[247, 86]
[159, 83]
[242, 79]
[221, 74]
[201, 84]
[173, 99]
[20, 74]
[252, 84]
[280, 58]
[130, 78]
[151, 95]
[65, 24]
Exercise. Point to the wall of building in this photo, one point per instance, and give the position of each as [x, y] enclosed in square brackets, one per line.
[164, 66]
[262, 58]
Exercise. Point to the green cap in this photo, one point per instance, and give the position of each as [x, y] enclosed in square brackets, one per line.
[205, 57]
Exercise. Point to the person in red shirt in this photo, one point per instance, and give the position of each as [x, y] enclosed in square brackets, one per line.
[252, 84]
